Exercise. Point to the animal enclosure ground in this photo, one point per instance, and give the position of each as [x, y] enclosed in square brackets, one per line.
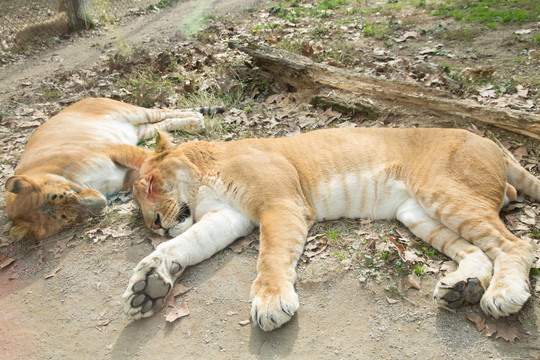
[360, 298]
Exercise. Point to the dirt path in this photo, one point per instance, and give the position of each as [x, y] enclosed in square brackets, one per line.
[62, 298]
[157, 29]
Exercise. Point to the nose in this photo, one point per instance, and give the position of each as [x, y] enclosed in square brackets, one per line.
[157, 222]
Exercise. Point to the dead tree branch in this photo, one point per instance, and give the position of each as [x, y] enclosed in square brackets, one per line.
[362, 94]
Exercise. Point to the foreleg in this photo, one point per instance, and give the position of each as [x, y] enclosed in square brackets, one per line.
[154, 277]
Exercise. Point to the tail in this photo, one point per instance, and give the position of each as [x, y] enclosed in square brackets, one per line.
[209, 110]
[522, 180]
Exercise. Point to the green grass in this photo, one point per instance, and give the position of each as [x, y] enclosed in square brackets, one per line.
[418, 269]
[535, 233]
[490, 12]
[164, 3]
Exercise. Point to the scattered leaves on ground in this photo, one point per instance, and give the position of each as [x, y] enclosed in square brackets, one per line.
[499, 328]
[174, 313]
[5, 260]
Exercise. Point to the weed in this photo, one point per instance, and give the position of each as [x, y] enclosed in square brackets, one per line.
[429, 252]
[418, 269]
[341, 255]
[398, 265]
[368, 261]
[392, 288]
[332, 234]
[330, 4]
[164, 3]
[490, 12]
[535, 233]
[319, 32]
[384, 255]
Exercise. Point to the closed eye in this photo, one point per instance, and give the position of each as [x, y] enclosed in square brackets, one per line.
[184, 213]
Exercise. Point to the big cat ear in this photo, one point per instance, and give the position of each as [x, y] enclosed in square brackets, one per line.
[163, 142]
[19, 184]
[20, 231]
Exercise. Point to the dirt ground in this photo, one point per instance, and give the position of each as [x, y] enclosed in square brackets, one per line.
[61, 297]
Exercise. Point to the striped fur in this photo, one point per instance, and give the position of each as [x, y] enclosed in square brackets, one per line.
[66, 172]
[447, 186]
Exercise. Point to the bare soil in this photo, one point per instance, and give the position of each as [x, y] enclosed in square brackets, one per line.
[61, 297]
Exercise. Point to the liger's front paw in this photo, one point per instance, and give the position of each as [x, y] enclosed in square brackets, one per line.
[505, 297]
[271, 307]
[151, 283]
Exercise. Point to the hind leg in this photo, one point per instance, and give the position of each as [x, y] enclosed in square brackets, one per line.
[512, 260]
[476, 219]
[468, 282]
[193, 122]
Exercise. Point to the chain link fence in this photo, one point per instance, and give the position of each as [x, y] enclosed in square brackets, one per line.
[23, 21]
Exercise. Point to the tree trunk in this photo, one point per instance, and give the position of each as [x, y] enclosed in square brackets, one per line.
[362, 94]
[78, 14]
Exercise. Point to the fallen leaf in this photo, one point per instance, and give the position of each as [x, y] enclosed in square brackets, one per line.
[307, 50]
[53, 273]
[5, 260]
[520, 152]
[411, 281]
[391, 301]
[239, 246]
[157, 240]
[175, 313]
[411, 257]
[177, 290]
[396, 243]
[489, 330]
[508, 333]
[407, 35]
[478, 321]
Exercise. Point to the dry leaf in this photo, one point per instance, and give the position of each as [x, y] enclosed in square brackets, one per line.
[508, 333]
[412, 281]
[307, 50]
[239, 246]
[5, 260]
[177, 290]
[175, 313]
[396, 243]
[391, 301]
[520, 152]
[489, 330]
[478, 321]
[157, 240]
[53, 273]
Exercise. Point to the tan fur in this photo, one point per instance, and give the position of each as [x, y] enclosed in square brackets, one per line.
[56, 25]
[446, 185]
[66, 169]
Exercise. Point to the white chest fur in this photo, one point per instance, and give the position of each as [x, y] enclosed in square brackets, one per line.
[101, 174]
[358, 195]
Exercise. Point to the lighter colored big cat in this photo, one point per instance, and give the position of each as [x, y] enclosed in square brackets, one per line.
[447, 186]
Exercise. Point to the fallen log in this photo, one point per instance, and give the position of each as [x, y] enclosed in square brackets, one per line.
[363, 94]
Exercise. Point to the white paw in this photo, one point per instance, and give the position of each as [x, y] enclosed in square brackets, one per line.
[149, 286]
[505, 297]
[273, 307]
[196, 122]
